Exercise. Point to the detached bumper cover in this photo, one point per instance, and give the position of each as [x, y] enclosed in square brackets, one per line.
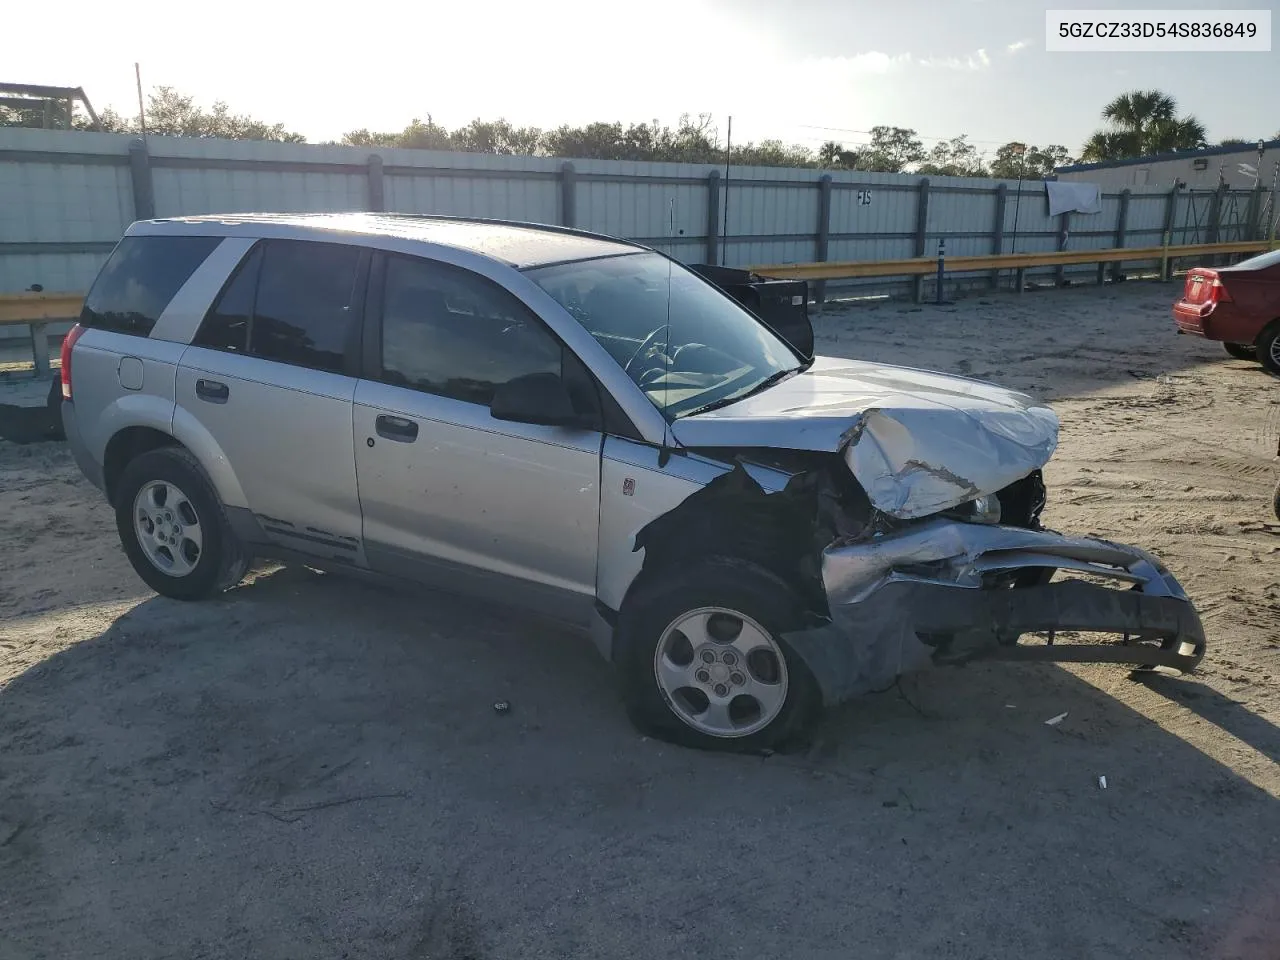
[902, 602]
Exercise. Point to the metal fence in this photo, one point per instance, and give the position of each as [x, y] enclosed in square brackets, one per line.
[66, 197]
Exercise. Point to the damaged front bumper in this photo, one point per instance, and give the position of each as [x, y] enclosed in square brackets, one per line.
[947, 591]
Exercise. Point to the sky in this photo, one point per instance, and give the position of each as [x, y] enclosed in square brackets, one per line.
[803, 71]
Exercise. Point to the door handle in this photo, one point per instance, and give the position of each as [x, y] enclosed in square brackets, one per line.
[396, 428]
[212, 391]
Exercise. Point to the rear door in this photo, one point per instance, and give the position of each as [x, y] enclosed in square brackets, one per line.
[452, 496]
[270, 375]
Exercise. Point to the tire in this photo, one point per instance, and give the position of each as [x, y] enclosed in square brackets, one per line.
[217, 562]
[1275, 502]
[53, 404]
[732, 599]
[1241, 351]
[1269, 348]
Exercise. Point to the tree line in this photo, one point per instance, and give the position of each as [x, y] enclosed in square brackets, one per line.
[1135, 124]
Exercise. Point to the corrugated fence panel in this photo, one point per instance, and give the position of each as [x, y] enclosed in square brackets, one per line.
[789, 211]
[62, 209]
[56, 272]
[1146, 218]
[65, 198]
[960, 212]
[963, 246]
[195, 191]
[508, 198]
[743, 253]
[642, 210]
[63, 202]
[1095, 231]
[871, 249]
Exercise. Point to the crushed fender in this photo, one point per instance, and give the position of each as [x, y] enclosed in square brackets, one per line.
[888, 597]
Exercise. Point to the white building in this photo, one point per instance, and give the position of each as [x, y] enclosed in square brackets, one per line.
[1238, 166]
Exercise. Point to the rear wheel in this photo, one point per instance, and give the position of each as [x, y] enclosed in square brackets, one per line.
[174, 528]
[1269, 348]
[1241, 351]
[702, 661]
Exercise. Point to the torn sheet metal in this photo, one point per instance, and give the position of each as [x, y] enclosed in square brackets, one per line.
[917, 442]
[901, 602]
[916, 462]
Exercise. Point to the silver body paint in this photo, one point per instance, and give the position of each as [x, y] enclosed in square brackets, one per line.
[547, 517]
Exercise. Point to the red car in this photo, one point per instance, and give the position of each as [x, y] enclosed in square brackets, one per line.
[1239, 305]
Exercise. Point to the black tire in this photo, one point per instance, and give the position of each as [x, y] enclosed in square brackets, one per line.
[53, 404]
[717, 582]
[1269, 348]
[1241, 351]
[222, 561]
[1275, 502]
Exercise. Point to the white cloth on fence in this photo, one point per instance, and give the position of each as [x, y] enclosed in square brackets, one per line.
[1066, 196]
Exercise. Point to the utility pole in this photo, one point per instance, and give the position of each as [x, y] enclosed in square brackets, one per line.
[142, 113]
[724, 230]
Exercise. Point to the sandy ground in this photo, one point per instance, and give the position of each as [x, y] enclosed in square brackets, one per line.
[313, 767]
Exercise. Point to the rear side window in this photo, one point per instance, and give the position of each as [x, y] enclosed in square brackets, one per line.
[292, 301]
[139, 279]
[226, 327]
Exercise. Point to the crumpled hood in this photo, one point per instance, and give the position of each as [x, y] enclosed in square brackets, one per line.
[918, 442]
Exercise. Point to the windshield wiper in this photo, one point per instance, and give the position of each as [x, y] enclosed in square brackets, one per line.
[760, 387]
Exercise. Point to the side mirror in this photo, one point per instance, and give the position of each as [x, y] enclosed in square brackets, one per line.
[540, 398]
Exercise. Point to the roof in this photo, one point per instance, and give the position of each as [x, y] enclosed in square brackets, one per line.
[517, 244]
[1180, 155]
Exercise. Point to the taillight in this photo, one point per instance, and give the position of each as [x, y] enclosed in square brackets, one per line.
[1218, 291]
[68, 342]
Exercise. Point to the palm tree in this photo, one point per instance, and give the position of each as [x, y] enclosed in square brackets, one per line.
[1169, 136]
[1111, 145]
[1138, 109]
[1142, 122]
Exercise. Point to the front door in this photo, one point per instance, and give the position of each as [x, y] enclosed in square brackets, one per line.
[450, 495]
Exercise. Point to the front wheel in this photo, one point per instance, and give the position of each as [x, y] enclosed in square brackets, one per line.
[174, 528]
[702, 661]
[1269, 348]
[1241, 351]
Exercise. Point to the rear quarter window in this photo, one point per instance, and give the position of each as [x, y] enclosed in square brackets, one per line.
[139, 279]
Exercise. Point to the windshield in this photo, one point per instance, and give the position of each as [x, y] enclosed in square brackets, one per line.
[712, 352]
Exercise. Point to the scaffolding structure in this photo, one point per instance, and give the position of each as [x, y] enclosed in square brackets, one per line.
[55, 106]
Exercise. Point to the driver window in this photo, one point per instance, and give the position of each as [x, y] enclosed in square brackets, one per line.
[450, 332]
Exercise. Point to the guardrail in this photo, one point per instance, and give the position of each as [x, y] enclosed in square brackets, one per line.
[37, 310]
[921, 266]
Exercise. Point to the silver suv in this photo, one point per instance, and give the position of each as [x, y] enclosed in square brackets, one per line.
[580, 426]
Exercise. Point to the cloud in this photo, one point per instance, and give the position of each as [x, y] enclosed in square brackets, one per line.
[1016, 46]
[873, 61]
[975, 61]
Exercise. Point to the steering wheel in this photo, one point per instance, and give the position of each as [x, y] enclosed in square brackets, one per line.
[649, 343]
